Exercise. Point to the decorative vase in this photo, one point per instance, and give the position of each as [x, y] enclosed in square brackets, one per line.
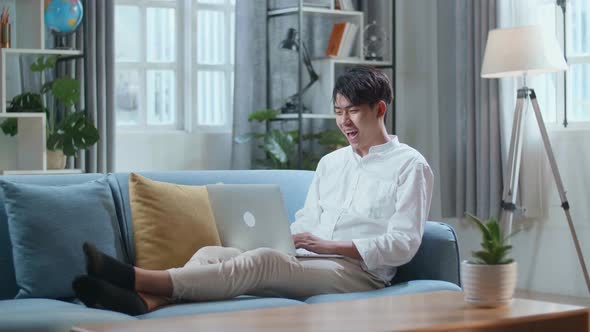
[488, 285]
[56, 159]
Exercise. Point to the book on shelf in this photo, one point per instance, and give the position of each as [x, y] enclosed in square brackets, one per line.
[341, 39]
[335, 41]
[344, 5]
[348, 40]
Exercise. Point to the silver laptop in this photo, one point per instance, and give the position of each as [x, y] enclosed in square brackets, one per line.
[250, 216]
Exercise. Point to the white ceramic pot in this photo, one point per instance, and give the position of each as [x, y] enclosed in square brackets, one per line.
[56, 159]
[488, 285]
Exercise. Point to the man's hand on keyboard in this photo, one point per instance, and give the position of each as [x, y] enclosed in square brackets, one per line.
[313, 243]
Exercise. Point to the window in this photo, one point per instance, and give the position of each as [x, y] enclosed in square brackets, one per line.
[174, 62]
[578, 56]
[576, 79]
[213, 64]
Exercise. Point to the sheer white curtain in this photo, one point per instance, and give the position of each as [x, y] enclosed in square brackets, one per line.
[530, 191]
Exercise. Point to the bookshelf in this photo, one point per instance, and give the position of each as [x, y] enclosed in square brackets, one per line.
[314, 21]
[25, 152]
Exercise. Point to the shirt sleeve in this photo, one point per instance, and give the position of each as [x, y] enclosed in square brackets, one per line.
[307, 219]
[406, 227]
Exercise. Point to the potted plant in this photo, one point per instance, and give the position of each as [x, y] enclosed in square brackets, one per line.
[280, 147]
[68, 131]
[489, 279]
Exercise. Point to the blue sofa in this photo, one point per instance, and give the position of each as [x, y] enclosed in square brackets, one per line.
[435, 266]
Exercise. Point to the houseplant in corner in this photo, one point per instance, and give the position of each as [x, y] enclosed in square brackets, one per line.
[68, 130]
[490, 278]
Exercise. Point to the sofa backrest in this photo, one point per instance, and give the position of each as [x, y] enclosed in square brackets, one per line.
[436, 259]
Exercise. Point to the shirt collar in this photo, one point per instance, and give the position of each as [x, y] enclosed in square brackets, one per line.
[390, 145]
[379, 149]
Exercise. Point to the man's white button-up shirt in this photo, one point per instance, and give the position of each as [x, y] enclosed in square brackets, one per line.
[380, 202]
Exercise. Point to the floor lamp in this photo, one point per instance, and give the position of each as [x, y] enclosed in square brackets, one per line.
[523, 51]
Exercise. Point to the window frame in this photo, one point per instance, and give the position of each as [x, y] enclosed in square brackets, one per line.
[142, 66]
[186, 69]
[227, 68]
[563, 97]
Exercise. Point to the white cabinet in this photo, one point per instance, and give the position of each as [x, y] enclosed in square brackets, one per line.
[26, 153]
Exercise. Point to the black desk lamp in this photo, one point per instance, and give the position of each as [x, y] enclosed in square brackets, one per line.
[292, 43]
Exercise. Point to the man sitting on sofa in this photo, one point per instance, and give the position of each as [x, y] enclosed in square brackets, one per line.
[367, 202]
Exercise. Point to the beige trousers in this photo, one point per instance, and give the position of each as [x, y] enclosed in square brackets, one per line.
[216, 273]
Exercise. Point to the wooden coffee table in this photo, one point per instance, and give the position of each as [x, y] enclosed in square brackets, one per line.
[436, 311]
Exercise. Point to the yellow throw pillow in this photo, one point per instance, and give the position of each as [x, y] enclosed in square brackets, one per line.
[170, 222]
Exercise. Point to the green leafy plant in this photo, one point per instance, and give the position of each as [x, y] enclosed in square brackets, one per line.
[26, 102]
[494, 248]
[263, 115]
[280, 147]
[331, 138]
[70, 132]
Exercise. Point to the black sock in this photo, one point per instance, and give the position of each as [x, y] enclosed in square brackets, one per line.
[99, 294]
[103, 266]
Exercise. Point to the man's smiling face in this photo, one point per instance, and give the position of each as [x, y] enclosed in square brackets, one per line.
[360, 124]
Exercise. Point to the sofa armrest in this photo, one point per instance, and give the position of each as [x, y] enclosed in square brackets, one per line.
[436, 259]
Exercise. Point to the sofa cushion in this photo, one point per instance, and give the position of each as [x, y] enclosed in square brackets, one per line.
[170, 222]
[8, 287]
[48, 225]
[416, 286]
[238, 303]
[36, 315]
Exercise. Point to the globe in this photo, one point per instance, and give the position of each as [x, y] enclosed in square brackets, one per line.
[63, 16]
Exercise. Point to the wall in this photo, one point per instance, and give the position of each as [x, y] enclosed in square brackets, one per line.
[543, 248]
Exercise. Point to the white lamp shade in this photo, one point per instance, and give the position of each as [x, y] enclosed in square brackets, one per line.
[521, 50]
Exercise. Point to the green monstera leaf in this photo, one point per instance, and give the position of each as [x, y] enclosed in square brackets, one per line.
[44, 63]
[280, 146]
[66, 90]
[75, 132]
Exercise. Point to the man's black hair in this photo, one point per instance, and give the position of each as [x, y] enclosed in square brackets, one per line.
[363, 85]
